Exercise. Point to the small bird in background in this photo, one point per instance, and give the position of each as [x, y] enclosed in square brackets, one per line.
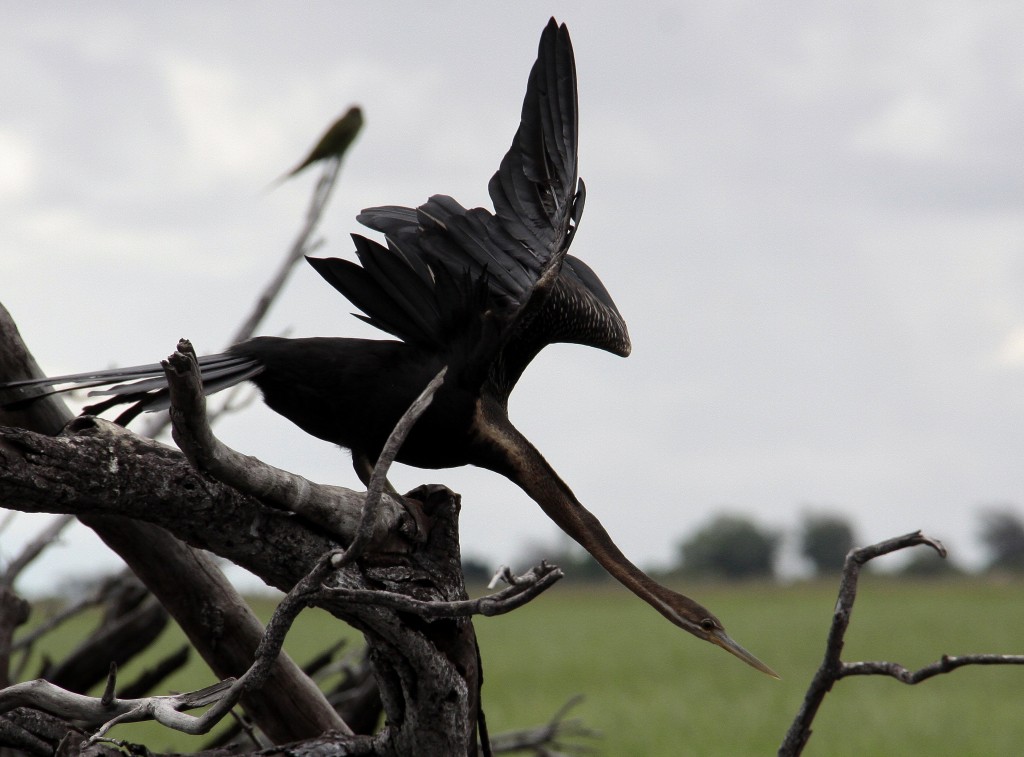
[334, 143]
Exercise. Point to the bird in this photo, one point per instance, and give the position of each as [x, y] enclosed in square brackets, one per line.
[478, 292]
[334, 143]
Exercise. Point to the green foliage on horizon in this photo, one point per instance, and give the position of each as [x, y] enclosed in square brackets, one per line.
[730, 546]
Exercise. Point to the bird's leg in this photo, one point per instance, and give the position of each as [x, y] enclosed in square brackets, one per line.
[364, 469]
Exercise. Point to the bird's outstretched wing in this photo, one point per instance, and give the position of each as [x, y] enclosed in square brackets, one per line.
[536, 203]
[539, 296]
[535, 191]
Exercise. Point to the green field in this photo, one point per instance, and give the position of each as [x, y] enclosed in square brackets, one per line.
[653, 690]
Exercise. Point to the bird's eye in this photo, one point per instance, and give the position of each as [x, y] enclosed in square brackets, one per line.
[707, 624]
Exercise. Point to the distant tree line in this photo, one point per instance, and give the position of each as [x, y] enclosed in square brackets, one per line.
[733, 546]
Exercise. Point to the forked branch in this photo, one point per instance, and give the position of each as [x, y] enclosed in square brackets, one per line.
[833, 669]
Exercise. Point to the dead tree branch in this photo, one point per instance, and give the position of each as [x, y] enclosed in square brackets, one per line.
[833, 669]
[945, 664]
[334, 508]
[551, 739]
[526, 587]
[366, 532]
[300, 247]
[216, 619]
[108, 711]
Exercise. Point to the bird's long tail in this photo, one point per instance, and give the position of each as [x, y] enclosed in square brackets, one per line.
[141, 387]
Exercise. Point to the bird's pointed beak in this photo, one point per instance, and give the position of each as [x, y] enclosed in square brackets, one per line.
[721, 638]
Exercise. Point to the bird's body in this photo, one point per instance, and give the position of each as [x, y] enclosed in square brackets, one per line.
[477, 292]
[388, 374]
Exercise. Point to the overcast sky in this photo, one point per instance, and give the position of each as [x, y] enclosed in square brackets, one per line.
[810, 214]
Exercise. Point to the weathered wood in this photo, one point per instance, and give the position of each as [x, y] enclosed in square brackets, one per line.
[294, 708]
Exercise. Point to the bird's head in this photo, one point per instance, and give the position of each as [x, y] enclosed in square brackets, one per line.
[701, 622]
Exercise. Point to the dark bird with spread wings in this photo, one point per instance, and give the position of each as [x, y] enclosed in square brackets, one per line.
[479, 292]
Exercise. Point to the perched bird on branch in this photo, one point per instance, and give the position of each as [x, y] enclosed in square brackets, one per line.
[479, 292]
[335, 141]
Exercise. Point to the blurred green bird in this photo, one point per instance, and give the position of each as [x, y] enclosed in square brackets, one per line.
[334, 142]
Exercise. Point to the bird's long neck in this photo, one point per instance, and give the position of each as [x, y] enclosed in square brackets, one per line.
[517, 459]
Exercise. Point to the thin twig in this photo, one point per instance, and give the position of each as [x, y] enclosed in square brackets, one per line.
[300, 247]
[945, 664]
[97, 596]
[33, 549]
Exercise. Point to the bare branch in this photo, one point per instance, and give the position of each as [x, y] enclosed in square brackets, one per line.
[523, 589]
[108, 710]
[945, 664]
[832, 668]
[43, 695]
[151, 677]
[13, 612]
[47, 474]
[68, 612]
[226, 695]
[301, 596]
[99, 469]
[117, 640]
[300, 247]
[335, 508]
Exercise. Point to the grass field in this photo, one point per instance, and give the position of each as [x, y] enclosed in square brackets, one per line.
[653, 690]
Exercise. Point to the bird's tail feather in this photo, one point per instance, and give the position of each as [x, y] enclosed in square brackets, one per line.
[142, 387]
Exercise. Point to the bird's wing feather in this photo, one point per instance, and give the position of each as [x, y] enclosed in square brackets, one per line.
[535, 187]
[429, 307]
[392, 296]
[521, 245]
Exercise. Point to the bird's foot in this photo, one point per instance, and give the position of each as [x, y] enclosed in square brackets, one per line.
[421, 503]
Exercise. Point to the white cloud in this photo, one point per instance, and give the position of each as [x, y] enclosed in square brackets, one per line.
[17, 165]
[916, 127]
[1011, 352]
